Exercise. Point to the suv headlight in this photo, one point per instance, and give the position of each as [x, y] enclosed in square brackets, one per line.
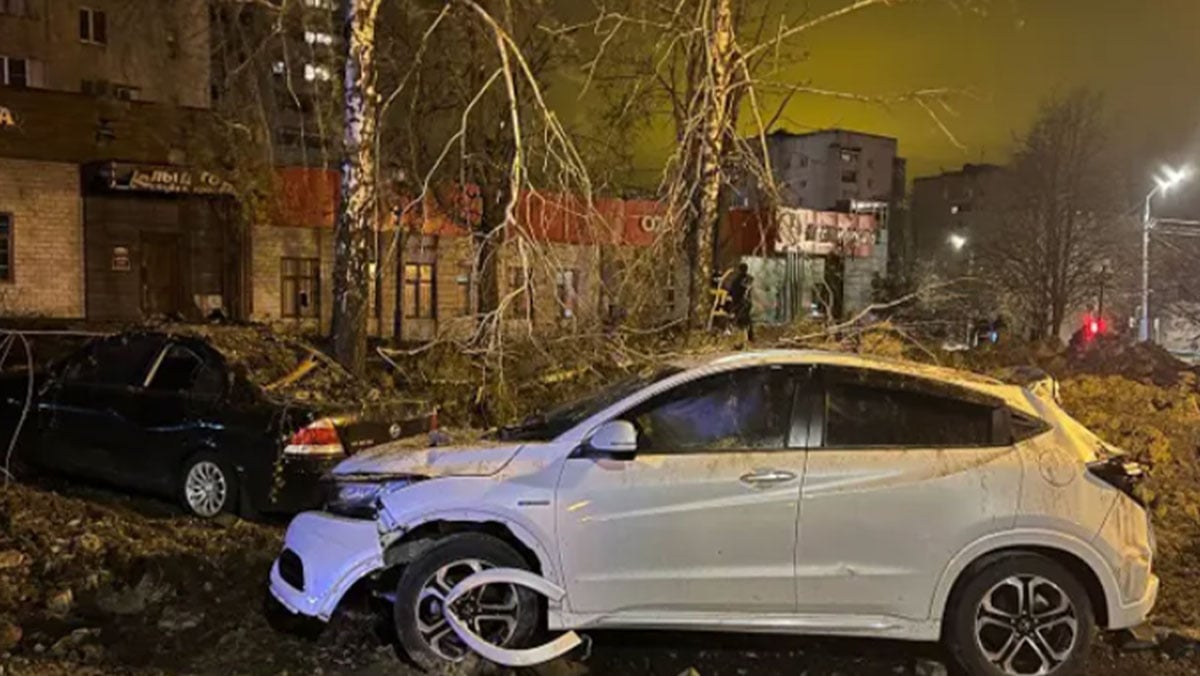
[360, 499]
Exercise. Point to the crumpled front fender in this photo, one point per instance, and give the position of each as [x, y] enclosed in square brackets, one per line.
[335, 553]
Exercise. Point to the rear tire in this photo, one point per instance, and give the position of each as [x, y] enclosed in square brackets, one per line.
[1020, 614]
[506, 615]
[207, 486]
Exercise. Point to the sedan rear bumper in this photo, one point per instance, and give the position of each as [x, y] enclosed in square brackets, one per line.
[296, 483]
[323, 556]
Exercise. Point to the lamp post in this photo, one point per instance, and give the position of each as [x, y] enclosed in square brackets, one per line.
[1163, 185]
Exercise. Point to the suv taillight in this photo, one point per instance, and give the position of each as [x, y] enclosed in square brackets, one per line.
[1120, 473]
[317, 438]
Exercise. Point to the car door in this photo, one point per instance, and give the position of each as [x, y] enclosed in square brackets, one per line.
[904, 473]
[169, 420]
[703, 519]
[80, 410]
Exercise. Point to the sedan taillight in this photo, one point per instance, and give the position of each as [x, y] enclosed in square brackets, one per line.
[317, 438]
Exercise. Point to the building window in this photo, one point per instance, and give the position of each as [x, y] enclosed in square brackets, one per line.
[849, 176]
[520, 284]
[567, 292]
[20, 72]
[300, 288]
[672, 300]
[6, 248]
[278, 68]
[849, 156]
[14, 7]
[419, 296]
[318, 38]
[464, 288]
[317, 73]
[319, 4]
[93, 26]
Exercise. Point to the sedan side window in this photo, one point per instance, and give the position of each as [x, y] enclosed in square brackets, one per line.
[745, 409]
[182, 370]
[866, 416]
[116, 361]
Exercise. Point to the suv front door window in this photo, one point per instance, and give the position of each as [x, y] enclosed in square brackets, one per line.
[704, 518]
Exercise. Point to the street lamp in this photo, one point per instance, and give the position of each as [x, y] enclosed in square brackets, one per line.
[957, 241]
[1163, 184]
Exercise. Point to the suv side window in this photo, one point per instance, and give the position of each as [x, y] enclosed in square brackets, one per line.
[743, 409]
[119, 361]
[859, 413]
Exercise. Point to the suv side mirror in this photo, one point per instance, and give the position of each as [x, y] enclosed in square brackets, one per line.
[615, 439]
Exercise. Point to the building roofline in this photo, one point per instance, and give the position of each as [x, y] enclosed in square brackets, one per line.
[834, 130]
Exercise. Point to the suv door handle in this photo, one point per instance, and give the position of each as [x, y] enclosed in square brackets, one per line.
[767, 477]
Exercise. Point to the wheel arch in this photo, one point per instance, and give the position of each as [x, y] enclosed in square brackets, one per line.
[420, 535]
[1078, 557]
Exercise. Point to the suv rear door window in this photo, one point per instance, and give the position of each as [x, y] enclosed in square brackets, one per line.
[873, 415]
[744, 409]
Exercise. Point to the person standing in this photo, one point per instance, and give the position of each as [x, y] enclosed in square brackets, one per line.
[740, 294]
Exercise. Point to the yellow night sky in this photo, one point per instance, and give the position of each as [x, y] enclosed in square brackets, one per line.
[1143, 54]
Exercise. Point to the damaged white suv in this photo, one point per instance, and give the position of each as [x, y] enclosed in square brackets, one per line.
[790, 492]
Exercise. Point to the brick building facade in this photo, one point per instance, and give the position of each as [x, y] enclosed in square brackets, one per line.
[41, 239]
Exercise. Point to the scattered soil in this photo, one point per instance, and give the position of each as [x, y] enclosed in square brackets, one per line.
[94, 582]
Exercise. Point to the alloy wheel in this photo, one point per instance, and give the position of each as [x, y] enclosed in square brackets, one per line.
[1026, 625]
[205, 488]
[490, 611]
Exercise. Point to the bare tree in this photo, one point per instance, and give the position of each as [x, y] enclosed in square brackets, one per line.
[1059, 217]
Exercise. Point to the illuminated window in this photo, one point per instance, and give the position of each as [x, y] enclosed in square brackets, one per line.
[278, 68]
[93, 26]
[319, 4]
[419, 291]
[318, 38]
[314, 72]
[300, 288]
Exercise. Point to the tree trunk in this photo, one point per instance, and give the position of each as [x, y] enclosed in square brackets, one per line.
[358, 207]
[721, 55]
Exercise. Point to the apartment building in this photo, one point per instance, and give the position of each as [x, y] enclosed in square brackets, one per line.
[952, 210]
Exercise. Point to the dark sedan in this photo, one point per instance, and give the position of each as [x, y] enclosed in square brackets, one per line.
[171, 414]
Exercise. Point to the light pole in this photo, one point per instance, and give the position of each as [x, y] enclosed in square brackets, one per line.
[1163, 185]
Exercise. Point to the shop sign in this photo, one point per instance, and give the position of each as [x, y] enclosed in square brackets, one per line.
[120, 259]
[824, 233]
[7, 119]
[162, 179]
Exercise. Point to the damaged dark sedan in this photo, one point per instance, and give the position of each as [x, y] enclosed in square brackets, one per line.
[221, 420]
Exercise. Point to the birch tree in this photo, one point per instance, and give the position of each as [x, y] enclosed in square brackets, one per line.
[358, 208]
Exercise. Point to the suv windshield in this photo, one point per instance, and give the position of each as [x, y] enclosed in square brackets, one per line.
[547, 426]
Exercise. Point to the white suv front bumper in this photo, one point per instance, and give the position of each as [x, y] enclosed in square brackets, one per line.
[323, 556]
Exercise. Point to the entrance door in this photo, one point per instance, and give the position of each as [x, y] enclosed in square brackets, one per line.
[162, 288]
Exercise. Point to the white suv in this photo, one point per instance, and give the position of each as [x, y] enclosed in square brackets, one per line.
[789, 492]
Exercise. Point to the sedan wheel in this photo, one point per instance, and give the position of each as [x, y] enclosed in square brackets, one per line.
[206, 488]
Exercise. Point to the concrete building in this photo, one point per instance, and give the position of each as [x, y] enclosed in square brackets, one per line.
[132, 51]
[838, 170]
[277, 71]
[954, 208]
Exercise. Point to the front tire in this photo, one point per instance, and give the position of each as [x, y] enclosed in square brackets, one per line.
[506, 615]
[1019, 615]
[207, 486]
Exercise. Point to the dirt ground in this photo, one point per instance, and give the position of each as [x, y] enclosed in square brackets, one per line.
[94, 582]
